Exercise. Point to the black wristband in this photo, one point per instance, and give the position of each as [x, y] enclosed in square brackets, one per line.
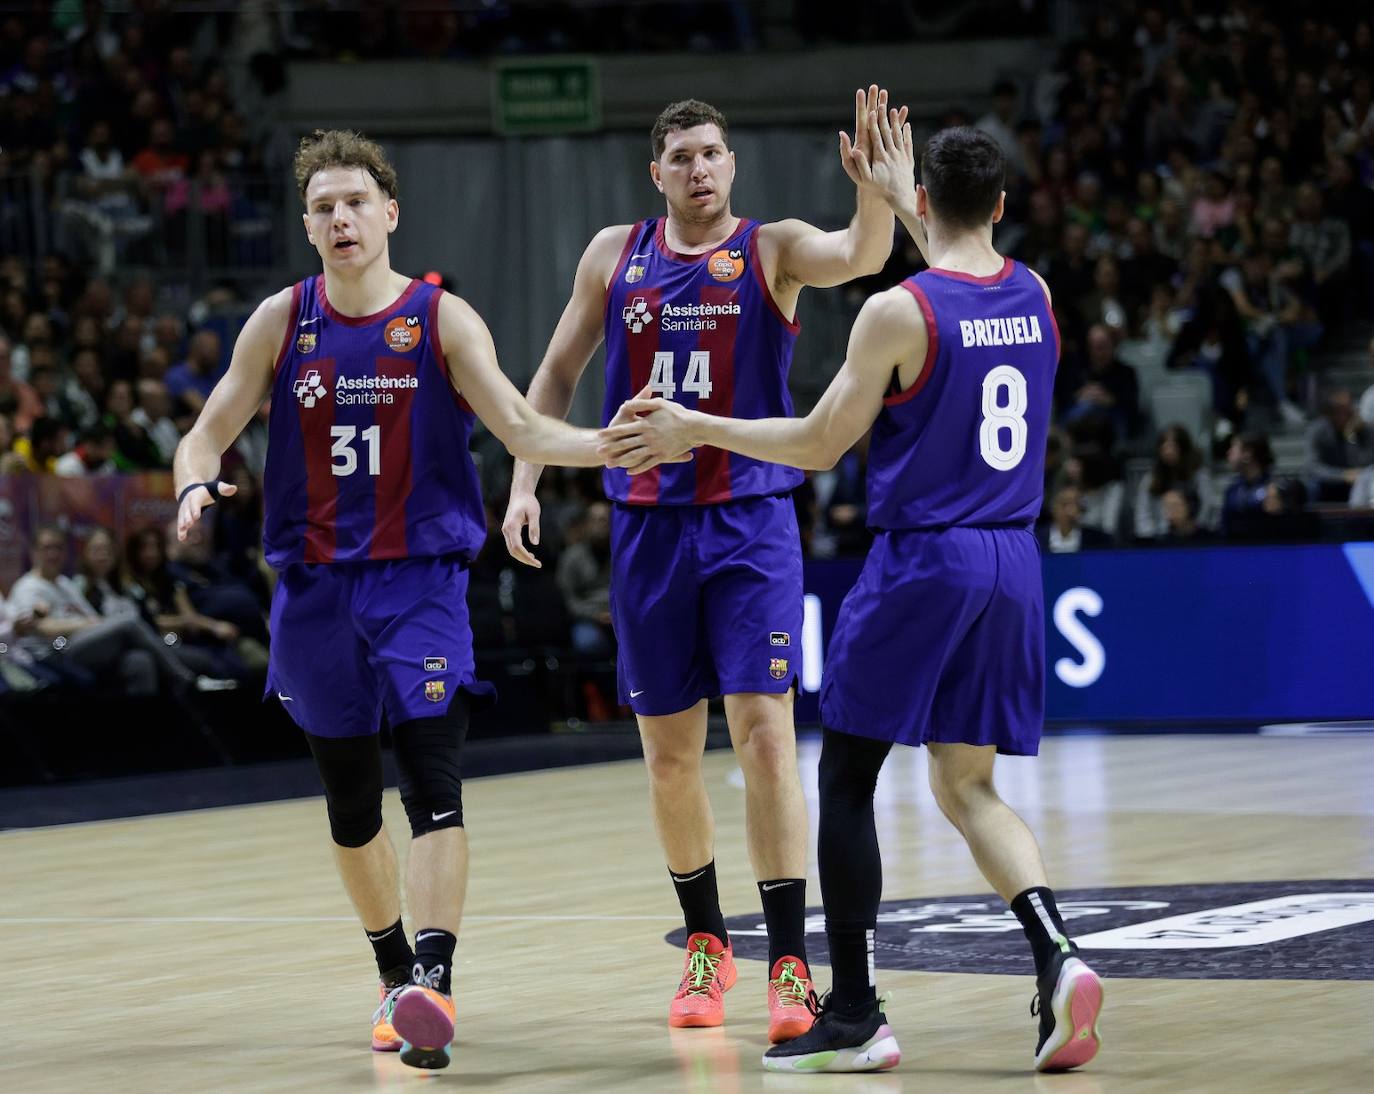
[213, 487]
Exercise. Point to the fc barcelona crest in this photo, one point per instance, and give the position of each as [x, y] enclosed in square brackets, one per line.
[777, 667]
[306, 342]
[634, 273]
[434, 690]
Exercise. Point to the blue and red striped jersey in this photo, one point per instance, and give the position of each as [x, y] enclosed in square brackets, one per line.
[367, 454]
[965, 443]
[706, 331]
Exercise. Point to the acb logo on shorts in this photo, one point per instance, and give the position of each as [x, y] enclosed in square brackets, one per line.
[777, 667]
[434, 690]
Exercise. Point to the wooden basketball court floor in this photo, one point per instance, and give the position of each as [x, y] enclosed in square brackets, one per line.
[215, 950]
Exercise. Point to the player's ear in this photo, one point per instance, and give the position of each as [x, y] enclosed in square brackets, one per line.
[732, 165]
[305, 219]
[393, 214]
[922, 204]
[1000, 207]
[655, 175]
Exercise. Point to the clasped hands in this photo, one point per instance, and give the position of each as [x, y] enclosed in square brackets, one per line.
[648, 431]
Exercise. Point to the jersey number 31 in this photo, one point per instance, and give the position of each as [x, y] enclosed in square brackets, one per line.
[1003, 419]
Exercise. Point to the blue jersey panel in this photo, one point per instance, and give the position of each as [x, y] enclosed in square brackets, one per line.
[965, 444]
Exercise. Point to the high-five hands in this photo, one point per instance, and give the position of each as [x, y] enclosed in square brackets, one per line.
[646, 432]
[881, 157]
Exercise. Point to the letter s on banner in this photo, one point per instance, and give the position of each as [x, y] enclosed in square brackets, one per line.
[1079, 674]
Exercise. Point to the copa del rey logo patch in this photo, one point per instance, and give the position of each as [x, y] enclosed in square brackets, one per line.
[1287, 930]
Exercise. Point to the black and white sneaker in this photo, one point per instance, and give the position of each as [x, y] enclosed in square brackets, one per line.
[838, 1041]
[1068, 1003]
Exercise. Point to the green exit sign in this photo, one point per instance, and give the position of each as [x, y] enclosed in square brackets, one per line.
[546, 96]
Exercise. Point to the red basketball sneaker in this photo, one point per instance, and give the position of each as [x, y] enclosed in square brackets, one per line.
[788, 986]
[707, 976]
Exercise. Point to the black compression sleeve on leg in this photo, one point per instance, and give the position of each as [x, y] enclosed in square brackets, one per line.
[351, 770]
[850, 864]
[429, 753]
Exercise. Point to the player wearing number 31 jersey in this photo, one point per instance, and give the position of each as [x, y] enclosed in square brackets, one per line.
[941, 641]
[372, 516]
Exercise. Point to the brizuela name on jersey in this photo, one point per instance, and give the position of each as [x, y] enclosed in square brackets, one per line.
[1016, 330]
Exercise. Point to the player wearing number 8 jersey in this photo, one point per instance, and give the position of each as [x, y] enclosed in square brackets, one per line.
[699, 306]
[373, 514]
[941, 641]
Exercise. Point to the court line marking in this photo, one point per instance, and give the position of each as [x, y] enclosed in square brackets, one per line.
[98, 919]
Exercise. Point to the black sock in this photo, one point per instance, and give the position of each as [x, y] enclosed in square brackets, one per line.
[434, 958]
[851, 865]
[784, 913]
[854, 986]
[1039, 917]
[696, 892]
[393, 953]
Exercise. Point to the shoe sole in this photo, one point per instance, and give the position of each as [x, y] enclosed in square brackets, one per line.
[385, 1046]
[425, 1027]
[882, 1054]
[1076, 1004]
[788, 1029]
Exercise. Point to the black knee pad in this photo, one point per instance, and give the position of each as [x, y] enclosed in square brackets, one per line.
[429, 753]
[351, 770]
[849, 766]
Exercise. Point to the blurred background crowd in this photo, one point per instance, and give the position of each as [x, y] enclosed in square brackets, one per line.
[1194, 181]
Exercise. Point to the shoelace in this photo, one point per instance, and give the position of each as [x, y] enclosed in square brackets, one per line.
[701, 970]
[430, 979]
[385, 1006]
[1035, 1006]
[792, 990]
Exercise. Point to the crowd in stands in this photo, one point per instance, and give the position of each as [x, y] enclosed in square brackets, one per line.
[1196, 191]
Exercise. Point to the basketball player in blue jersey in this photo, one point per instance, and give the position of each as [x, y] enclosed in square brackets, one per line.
[706, 588]
[941, 641]
[373, 513]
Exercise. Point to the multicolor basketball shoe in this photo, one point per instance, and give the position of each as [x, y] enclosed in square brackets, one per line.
[384, 1037]
[1068, 1003]
[838, 1041]
[423, 1018]
[788, 987]
[709, 973]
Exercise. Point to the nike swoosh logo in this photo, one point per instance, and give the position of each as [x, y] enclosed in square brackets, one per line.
[307, 322]
[646, 254]
[379, 937]
[441, 816]
[778, 885]
[427, 934]
[636, 694]
[285, 698]
[698, 874]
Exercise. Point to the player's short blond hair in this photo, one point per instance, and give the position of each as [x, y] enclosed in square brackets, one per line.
[325, 148]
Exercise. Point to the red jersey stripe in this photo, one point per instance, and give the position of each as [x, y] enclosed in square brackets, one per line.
[392, 484]
[290, 335]
[321, 486]
[644, 488]
[713, 464]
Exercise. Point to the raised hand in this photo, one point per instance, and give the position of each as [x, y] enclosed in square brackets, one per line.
[864, 104]
[889, 166]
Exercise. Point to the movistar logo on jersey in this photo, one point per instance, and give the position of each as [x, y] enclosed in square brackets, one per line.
[696, 316]
[309, 389]
[1016, 330]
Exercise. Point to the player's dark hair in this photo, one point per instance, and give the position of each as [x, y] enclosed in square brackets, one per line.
[686, 114]
[325, 148]
[964, 172]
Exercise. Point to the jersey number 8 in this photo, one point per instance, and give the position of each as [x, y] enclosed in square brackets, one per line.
[1009, 417]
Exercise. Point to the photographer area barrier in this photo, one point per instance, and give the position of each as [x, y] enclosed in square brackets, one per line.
[1207, 634]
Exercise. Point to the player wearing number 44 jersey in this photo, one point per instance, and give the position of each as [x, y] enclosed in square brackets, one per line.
[373, 515]
[699, 307]
[941, 641]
